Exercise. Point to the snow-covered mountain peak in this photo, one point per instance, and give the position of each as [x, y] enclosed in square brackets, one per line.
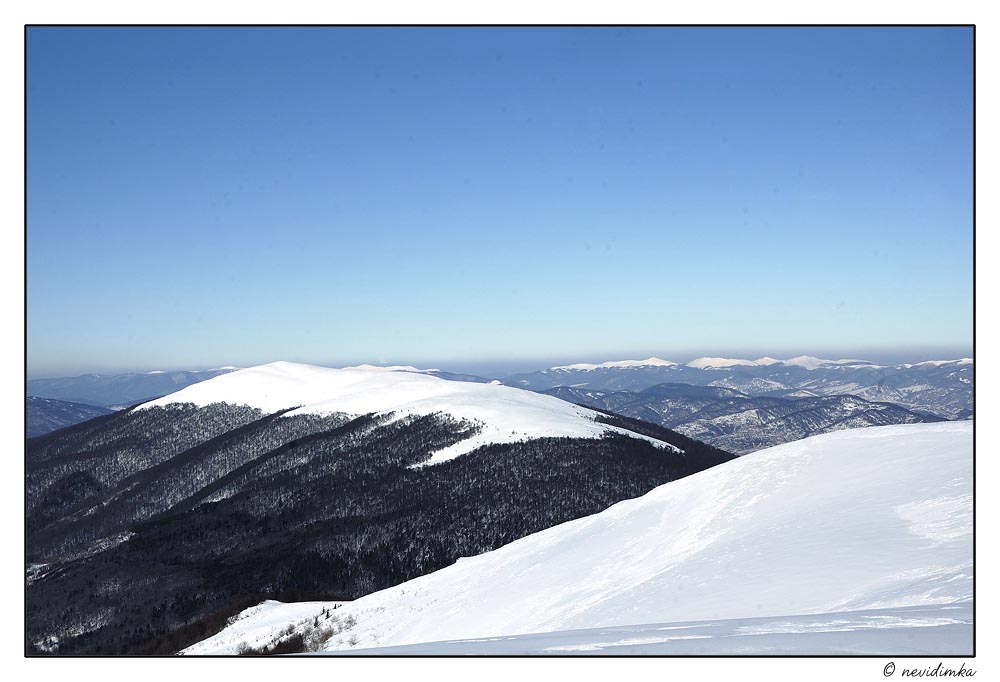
[504, 414]
[391, 368]
[938, 363]
[806, 361]
[810, 362]
[718, 363]
[648, 362]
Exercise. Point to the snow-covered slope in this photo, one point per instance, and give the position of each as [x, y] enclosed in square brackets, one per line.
[939, 630]
[874, 518]
[505, 414]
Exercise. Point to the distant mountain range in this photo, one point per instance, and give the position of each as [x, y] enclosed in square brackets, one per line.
[758, 403]
[47, 414]
[149, 527]
[737, 422]
[116, 391]
[942, 387]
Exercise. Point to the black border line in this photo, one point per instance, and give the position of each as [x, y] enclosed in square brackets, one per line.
[975, 620]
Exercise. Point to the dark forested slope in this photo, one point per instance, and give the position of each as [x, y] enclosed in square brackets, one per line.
[147, 527]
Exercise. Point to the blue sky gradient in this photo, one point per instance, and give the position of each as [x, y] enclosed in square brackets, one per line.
[201, 197]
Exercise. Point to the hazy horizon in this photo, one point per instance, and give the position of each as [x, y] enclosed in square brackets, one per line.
[503, 367]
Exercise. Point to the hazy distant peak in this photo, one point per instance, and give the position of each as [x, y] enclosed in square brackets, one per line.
[810, 362]
[648, 362]
[938, 363]
[227, 368]
[707, 362]
[390, 368]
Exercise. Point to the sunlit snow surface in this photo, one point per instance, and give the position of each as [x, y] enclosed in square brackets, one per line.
[648, 362]
[259, 625]
[911, 631]
[806, 361]
[877, 518]
[708, 363]
[505, 414]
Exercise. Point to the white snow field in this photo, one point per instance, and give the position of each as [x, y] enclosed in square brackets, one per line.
[910, 631]
[505, 414]
[814, 531]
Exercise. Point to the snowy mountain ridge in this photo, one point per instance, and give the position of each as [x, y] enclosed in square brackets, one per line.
[711, 363]
[806, 361]
[648, 362]
[505, 414]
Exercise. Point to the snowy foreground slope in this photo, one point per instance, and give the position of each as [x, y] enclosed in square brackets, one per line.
[505, 414]
[940, 629]
[869, 519]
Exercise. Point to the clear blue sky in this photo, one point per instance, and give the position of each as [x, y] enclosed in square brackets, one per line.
[199, 197]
